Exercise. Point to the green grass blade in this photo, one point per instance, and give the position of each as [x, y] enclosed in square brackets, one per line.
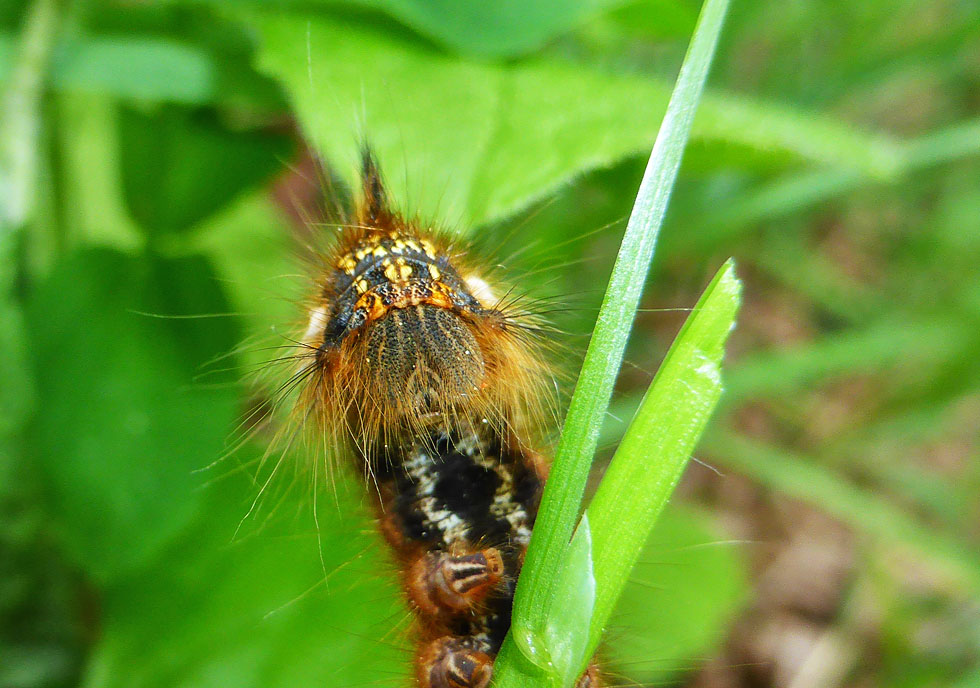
[732, 118]
[639, 481]
[799, 190]
[658, 443]
[562, 498]
[882, 343]
[566, 637]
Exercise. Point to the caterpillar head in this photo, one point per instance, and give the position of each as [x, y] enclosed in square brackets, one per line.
[403, 335]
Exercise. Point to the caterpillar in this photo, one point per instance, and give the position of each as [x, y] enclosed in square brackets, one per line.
[433, 382]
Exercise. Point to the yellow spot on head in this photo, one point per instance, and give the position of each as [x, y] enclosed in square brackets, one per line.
[347, 264]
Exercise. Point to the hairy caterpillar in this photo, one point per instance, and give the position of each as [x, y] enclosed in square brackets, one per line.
[412, 363]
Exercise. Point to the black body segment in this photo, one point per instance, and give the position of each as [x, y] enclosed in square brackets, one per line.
[459, 494]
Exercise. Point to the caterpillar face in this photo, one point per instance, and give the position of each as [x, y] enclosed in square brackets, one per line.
[402, 335]
[395, 307]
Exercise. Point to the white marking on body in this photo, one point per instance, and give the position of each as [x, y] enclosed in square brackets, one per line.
[423, 470]
[318, 322]
[481, 291]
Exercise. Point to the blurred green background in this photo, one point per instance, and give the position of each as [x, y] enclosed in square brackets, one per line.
[155, 161]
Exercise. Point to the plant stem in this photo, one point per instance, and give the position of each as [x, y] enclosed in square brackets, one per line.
[560, 506]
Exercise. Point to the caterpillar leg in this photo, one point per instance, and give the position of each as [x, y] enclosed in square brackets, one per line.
[448, 663]
[440, 581]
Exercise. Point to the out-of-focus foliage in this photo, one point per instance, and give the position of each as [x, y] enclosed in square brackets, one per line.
[836, 156]
[503, 29]
[469, 154]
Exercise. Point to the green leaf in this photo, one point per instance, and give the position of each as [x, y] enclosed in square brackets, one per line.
[653, 19]
[258, 609]
[499, 29]
[249, 245]
[654, 452]
[468, 141]
[180, 166]
[121, 427]
[16, 385]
